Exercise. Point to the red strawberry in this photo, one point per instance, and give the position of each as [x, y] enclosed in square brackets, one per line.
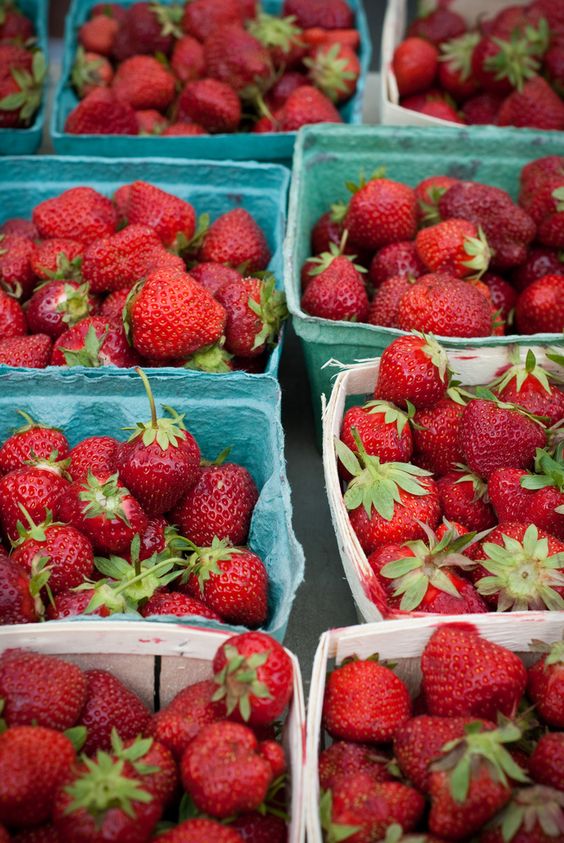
[223, 772]
[456, 247]
[220, 504]
[255, 310]
[344, 758]
[313, 36]
[254, 675]
[235, 238]
[446, 306]
[167, 214]
[21, 85]
[481, 109]
[508, 497]
[535, 811]
[307, 105]
[59, 258]
[232, 581]
[395, 259]
[15, 26]
[380, 212]
[16, 265]
[540, 261]
[170, 316]
[113, 305]
[334, 69]
[147, 28]
[104, 510]
[500, 65]
[547, 760]
[187, 713]
[143, 82]
[415, 63]
[245, 65]
[413, 369]
[32, 352]
[40, 690]
[93, 342]
[336, 290]
[97, 35]
[494, 435]
[18, 225]
[212, 104]
[111, 705]
[96, 454]
[384, 307]
[12, 317]
[187, 60]
[428, 193]
[545, 683]
[176, 603]
[437, 25]
[184, 129]
[463, 498]
[57, 306]
[101, 113]
[37, 487]
[79, 213]
[328, 229]
[435, 436]
[160, 461]
[16, 602]
[530, 386]
[536, 106]
[285, 44]
[203, 830]
[502, 294]
[455, 66]
[32, 440]
[440, 109]
[259, 828]
[382, 428]
[34, 763]
[90, 71]
[213, 275]
[202, 17]
[67, 604]
[328, 14]
[466, 675]
[365, 701]
[539, 307]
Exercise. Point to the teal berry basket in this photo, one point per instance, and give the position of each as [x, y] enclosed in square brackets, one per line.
[212, 186]
[27, 141]
[242, 146]
[243, 414]
[327, 156]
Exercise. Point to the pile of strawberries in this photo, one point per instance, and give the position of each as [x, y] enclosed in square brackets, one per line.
[461, 761]
[508, 70]
[144, 526]
[213, 66]
[22, 68]
[457, 495]
[82, 759]
[452, 257]
[136, 279]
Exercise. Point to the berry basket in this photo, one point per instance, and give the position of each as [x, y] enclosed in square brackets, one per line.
[327, 157]
[215, 187]
[402, 643]
[276, 147]
[156, 663]
[243, 414]
[351, 387]
[26, 141]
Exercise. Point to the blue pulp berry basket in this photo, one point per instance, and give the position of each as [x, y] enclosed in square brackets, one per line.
[242, 413]
[26, 141]
[211, 186]
[271, 146]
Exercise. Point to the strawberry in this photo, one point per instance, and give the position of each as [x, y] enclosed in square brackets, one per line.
[466, 675]
[284, 42]
[415, 64]
[17, 604]
[57, 306]
[146, 754]
[539, 307]
[435, 435]
[32, 440]
[15, 26]
[463, 498]
[481, 109]
[110, 705]
[374, 491]
[500, 66]
[358, 802]
[90, 71]
[384, 307]
[364, 701]
[21, 91]
[336, 290]
[534, 812]
[101, 113]
[176, 603]
[536, 106]
[327, 14]
[428, 193]
[187, 713]
[213, 275]
[187, 59]
[59, 258]
[313, 36]
[382, 428]
[220, 504]
[456, 247]
[380, 212]
[32, 352]
[203, 830]
[97, 35]
[508, 497]
[507, 228]
[34, 763]
[254, 678]
[68, 604]
[232, 581]
[530, 386]
[171, 316]
[96, 454]
[143, 82]
[40, 690]
[245, 65]
[497, 435]
[255, 310]
[104, 510]
[79, 213]
[547, 760]
[334, 69]
[329, 229]
[16, 265]
[470, 783]
[38, 487]
[307, 105]
[545, 683]
[503, 295]
[395, 259]
[441, 110]
[94, 342]
[150, 121]
[235, 239]
[18, 225]
[184, 129]
[210, 103]
[168, 215]
[202, 17]
[455, 66]
[12, 318]
[258, 828]
[437, 24]
[344, 758]
[413, 369]
[148, 28]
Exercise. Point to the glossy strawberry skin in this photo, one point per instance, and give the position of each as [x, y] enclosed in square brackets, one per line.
[337, 293]
[12, 317]
[345, 758]
[304, 106]
[110, 704]
[202, 17]
[50, 312]
[384, 307]
[143, 82]
[69, 555]
[381, 212]
[186, 714]
[16, 603]
[114, 349]
[415, 64]
[101, 113]
[395, 259]
[177, 603]
[68, 604]
[212, 104]
[166, 214]
[536, 106]
[535, 399]
[547, 760]
[445, 306]
[96, 454]
[42, 441]
[31, 352]
[460, 502]
[243, 325]
[435, 436]
[443, 247]
[539, 308]
[213, 276]
[80, 213]
[16, 264]
[37, 489]
[545, 688]
[235, 238]
[204, 831]
[245, 65]
[256, 828]
[407, 373]
[379, 438]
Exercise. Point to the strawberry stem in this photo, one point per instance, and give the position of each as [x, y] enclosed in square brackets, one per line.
[149, 392]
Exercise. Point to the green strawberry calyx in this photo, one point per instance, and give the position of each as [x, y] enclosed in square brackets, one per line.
[522, 372]
[430, 210]
[522, 574]
[271, 310]
[458, 53]
[188, 248]
[463, 756]
[165, 432]
[549, 470]
[31, 530]
[338, 211]
[391, 413]
[103, 785]
[554, 653]
[50, 463]
[238, 681]
[529, 807]
[485, 394]
[212, 358]
[558, 195]
[89, 354]
[413, 574]
[170, 17]
[329, 72]
[325, 259]
[65, 270]
[85, 71]
[273, 31]
[204, 561]
[39, 582]
[134, 753]
[31, 424]
[378, 173]
[26, 101]
[467, 476]
[516, 60]
[436, 354]
[376, 485]
[479, 253]
[75, 303]
[334, 832]
[395, 834]
[104, 498]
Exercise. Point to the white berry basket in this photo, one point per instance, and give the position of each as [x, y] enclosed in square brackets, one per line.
[472, 367]
[394, 31]
[156, 662]
[402, 642]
